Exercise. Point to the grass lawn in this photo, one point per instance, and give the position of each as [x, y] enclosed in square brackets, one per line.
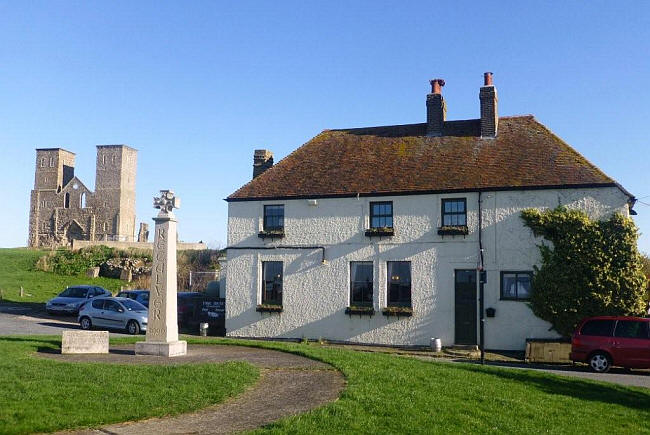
[394, 394]
[385, 394]
[41, 395]
[17, 269]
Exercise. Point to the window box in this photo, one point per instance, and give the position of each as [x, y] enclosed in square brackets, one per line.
[380, 232]
[397, 311]
[453, 230]
[360, 310]
[269, 308]
[271, 234]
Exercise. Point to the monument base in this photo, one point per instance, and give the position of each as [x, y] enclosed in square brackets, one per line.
[161, 348]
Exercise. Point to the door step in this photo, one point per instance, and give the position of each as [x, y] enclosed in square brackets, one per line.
[464, 347]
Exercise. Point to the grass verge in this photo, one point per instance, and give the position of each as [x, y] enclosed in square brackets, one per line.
[17, 269]
[41, 395]
[395, 394]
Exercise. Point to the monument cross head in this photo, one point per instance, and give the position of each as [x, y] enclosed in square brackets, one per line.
[167, 202]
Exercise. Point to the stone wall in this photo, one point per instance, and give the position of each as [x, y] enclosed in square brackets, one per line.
[181, 246]
[63, 209]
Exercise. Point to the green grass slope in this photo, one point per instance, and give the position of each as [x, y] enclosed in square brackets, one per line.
[394, 394]
[17, 269]
[41, 395]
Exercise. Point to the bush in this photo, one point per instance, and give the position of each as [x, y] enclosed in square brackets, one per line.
[66, 262]
[592, 268]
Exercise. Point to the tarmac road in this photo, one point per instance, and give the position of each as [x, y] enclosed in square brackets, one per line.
[31, 319]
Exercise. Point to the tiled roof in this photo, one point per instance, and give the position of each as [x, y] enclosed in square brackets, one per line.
[401, 159]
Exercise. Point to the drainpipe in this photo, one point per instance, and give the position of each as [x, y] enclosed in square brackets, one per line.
[482, 278]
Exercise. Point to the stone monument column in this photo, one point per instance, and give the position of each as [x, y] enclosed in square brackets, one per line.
[162, 327]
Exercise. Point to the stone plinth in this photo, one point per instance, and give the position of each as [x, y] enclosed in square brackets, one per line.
[174, 348]
[162, 326]
[84, 342]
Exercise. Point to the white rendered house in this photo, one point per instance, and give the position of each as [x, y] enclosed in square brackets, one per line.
[375, 235]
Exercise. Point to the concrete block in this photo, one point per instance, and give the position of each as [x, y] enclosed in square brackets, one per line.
[84, 342]
[92, 272]
[173, 348]
[126, 275]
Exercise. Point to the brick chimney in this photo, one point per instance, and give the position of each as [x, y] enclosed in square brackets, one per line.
[489, 115]
[262, 160]
[436, 108]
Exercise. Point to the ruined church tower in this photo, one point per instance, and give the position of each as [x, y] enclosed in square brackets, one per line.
[63, 209]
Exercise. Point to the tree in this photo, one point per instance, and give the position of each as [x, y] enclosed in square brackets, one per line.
[590, 267]
[645, 261]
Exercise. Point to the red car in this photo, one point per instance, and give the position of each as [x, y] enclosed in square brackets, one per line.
[605, 341]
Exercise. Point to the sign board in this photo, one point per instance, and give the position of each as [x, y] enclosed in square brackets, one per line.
[84, 342]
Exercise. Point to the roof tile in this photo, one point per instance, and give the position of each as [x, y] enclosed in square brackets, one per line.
[402, 159]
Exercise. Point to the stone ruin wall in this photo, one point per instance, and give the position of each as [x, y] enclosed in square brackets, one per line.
[63, 209]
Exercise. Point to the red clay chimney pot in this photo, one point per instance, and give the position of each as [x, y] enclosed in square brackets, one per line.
[436, 86]
[487, 79]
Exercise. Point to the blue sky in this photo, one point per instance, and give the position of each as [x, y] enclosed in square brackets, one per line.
[197, 86]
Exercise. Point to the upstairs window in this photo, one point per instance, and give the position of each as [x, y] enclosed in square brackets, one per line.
[273, 217]
[381, 214]
[272, 283]
[516, 286]
[43, 164]
[67, 200]
[454, 212]
[51, 162]
[361, 283]
[399, 283]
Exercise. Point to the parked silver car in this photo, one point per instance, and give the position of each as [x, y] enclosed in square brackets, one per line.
[69, 300]
[114, 313]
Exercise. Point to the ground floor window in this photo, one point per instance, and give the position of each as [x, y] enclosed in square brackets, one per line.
[272, 282]
[399, 283]
[361, 283]
[516, 285]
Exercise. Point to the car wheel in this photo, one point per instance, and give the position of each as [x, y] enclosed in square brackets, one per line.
[600, 362]
[85, 323]
[132, 327]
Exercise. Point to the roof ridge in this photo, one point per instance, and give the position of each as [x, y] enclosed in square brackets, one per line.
[527, 115]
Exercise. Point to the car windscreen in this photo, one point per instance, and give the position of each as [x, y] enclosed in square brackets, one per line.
[126, 295]
[74, 292]
[132, 305]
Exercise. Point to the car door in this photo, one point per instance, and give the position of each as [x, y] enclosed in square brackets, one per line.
[97, 313]
[632, 343]
[114, 314]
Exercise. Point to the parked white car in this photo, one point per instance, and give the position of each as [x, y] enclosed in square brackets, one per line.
[114, 313]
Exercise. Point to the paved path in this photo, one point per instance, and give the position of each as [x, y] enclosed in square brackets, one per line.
[289, 385]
